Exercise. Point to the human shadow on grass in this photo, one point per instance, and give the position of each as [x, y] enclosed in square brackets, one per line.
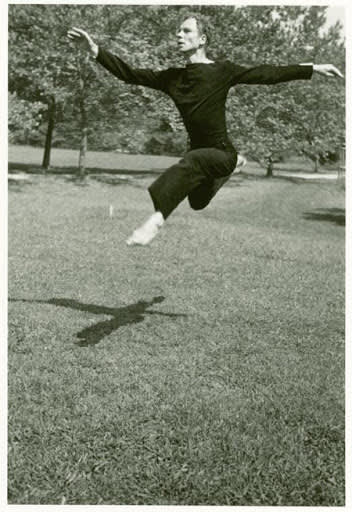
[335, 215]
[125, 315]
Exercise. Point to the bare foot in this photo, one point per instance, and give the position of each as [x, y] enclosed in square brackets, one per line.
[241, 162]
[145, 234]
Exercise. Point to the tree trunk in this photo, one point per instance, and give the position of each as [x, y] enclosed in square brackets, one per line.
[316, 163]
[84, 130]
[82, 152]
[49, 133]
[270, 168]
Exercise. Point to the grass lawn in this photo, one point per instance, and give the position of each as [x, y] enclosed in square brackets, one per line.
[206, 369]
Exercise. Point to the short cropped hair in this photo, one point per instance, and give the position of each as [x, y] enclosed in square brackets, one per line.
[202, 24]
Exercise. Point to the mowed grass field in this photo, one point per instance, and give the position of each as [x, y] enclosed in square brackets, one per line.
[205, 369]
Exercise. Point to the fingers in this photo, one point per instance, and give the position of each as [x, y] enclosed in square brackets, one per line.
[329, 70]
[335, 74]
[73, 35]
[338, 73]
[333, 71]
[80, 31]
[77, 34]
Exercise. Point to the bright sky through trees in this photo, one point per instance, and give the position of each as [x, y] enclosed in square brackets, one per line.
[335, 14]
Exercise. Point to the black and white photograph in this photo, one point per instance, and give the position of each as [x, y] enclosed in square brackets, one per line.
[175, 269]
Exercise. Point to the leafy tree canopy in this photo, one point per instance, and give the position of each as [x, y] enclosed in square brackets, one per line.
[305, 116]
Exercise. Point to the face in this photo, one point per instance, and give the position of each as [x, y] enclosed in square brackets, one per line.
[188, 37]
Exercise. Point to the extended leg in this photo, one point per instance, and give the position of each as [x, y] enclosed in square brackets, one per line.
[201, 196]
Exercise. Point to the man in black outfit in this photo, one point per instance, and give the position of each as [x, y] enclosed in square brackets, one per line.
[199, 91]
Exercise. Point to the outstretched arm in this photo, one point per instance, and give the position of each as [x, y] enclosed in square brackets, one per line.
[268, 74]
[116, 66]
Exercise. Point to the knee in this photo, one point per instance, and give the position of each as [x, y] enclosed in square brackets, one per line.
[197, 204]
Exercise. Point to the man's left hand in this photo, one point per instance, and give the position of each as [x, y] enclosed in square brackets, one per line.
[327, 70]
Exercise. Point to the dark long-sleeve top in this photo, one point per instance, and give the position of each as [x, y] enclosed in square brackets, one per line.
[199, 90]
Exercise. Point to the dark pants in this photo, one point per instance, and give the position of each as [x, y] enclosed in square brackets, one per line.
[199, 175]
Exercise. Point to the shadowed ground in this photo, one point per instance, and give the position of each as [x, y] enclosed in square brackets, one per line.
[335, 215]
[121, 316]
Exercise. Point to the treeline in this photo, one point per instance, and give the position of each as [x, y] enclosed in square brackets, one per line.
[58, 96]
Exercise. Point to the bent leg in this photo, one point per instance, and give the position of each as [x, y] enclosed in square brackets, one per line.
[198, 171]
[173, 186]
[201, 196]
[167, 191]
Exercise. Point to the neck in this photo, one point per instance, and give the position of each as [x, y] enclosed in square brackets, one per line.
[197, 56]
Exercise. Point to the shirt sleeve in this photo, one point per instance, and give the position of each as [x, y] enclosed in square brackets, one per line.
[119, 68]
[267, 74]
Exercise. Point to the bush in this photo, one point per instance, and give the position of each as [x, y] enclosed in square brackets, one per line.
[166, 144]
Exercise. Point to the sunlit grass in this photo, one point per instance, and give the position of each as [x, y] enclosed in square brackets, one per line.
[206, 369]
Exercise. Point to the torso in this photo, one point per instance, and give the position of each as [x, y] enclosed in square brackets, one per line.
[199, 91]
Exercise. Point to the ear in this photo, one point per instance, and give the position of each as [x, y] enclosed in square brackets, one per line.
[203, 39]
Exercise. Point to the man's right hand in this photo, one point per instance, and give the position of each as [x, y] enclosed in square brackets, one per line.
[82, 38]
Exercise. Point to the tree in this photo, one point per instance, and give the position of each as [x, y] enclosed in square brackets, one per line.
[305, 117]
[43, 68]
[24, 117]
[37, 67]
[320, 108]
[88, 106]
